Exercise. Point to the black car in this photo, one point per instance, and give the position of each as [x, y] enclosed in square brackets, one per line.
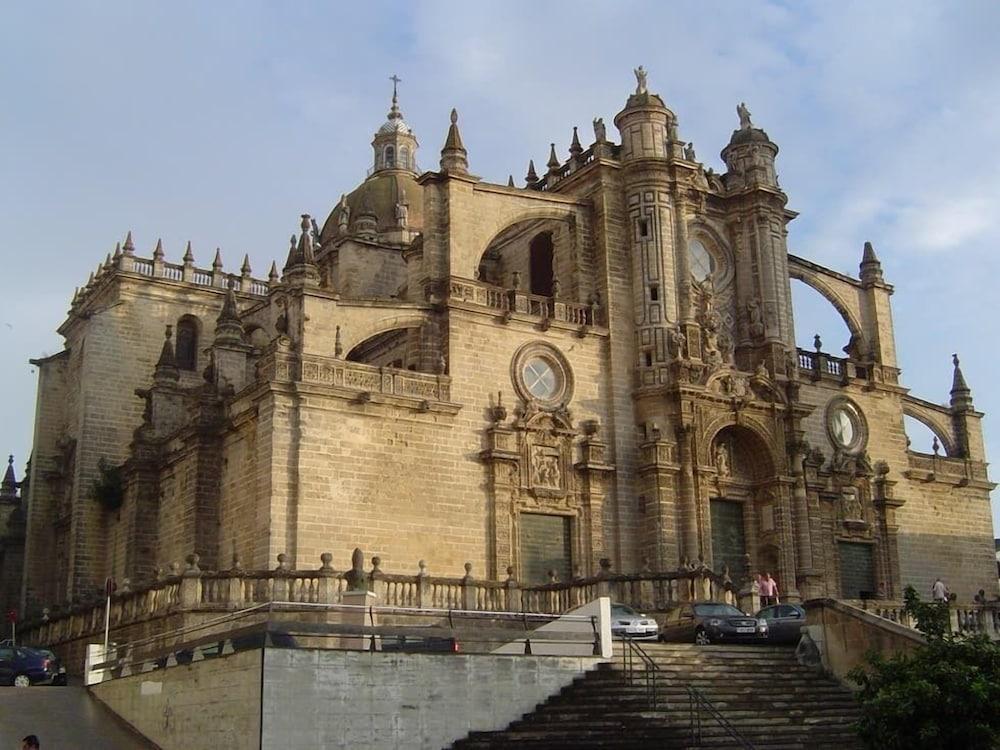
[784, 622]
[23, 667]
[56, 666]
[712, 622]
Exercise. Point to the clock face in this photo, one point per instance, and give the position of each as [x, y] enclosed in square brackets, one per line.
[540, 379]
[700, 259]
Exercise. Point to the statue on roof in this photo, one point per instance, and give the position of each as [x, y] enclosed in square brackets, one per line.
[600, 131]
[744, 115]
[640, 78]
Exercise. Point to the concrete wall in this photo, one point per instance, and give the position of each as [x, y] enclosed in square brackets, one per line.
[213, 703]
[348, 699]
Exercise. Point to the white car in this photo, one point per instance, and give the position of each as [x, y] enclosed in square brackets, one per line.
[626, 622]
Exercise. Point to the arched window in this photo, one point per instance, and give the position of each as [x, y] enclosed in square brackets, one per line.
[186, 350]
[541, 254]
[702, 262]
[404, 157]
[390, 157]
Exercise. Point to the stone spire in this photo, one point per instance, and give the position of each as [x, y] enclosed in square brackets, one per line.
[575, 149]
[532, 176]
[961, 394]
[454, 157]
[228, 326]
[188, 255]
[553, 163]
[158, 250]
[8, 488]
[301, 263]
[129, 246]
[871, 268]
[166, 366]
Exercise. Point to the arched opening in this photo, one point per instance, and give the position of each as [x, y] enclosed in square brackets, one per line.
[743, 514]
[921, 437]
[186, 348]
[541, 253]
[815, 316]
[404, 157]
[400, 348]
[256, 337]
[390, 157]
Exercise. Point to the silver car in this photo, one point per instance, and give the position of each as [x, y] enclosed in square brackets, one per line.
[626, 622]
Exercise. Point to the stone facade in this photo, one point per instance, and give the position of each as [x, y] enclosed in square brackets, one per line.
[610, 346]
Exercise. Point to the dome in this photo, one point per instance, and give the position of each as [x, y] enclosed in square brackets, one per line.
[379, 195]
[748, 135]
[395, 125]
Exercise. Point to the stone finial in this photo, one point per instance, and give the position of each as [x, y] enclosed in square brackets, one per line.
[245, 268]
[510, 181]
[129, 246]
[468, 570]
[293, 257]
[217, 261]
[8, 488]
[935, 445]
[356, 575]
[283, 564]
[158, 250]
[108, 264]
[532, 176]
[325, 560]
[237, 564]
[817, 343]
[575, 149]
[510, 572]
[553, 578]
[376, 565]
[117, 253]
[871, 268]
[192, 564]
[515, 280]
[961, 394]
[605, 564]
[228, 326]
[188, 258]
[338, 344]
[553, 163]
[272, 275]
[175, 568]
[166, 366]
[454, 157]
[422, 568]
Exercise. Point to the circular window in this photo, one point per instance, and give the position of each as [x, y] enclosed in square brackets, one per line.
[702, 264]
[846, 425]
[541, 374]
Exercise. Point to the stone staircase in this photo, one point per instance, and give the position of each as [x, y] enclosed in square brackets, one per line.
[761, 691]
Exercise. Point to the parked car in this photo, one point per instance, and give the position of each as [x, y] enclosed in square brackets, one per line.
[57, 667]
[625, 621]
[23, 667]
[712, 622]
[784, 622]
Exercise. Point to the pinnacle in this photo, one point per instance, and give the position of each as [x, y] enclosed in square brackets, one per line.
[217, 263]
[510, 180]
[553, 162]
[454, 157]
[272, 275]
[961, 394]
[129, 246]
[245, 268]
[532, 175]
[166, 365]
[158, 250]
[188, 255]
[575, 148]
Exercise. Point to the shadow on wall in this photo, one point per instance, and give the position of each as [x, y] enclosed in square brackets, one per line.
[965, 563]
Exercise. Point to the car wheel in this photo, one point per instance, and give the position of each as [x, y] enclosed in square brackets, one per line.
[701, 637]
[22, 680]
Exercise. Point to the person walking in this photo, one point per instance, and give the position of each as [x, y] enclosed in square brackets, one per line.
[939, 592]
[768, 591]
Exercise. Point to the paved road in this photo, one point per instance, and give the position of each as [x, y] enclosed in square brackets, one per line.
[64, 718]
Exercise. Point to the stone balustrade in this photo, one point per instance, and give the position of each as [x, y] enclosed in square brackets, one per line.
[192, 590]
[964, 619]
[513, 301]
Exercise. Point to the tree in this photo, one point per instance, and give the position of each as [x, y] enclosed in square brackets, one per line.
[942, 695]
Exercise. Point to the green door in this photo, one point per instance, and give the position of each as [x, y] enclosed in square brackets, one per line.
[545, 546]
[728, 541]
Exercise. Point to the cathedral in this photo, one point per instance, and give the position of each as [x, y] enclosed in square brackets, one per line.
[595, 367]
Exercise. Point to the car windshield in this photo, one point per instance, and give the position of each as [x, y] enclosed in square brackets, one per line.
[621, 610]
[716, 610]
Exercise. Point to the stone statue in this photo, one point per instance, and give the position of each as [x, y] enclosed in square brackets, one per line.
[402, 214]
[744, 115]
[722, 461]
[345, 214]
[679, 340]
[640, 78]
[689, 152]
[851, 504]
[761, 372]
[755, 318]
[600, 132]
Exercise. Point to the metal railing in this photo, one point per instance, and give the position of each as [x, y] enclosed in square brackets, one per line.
[633, 655]
[698, 703]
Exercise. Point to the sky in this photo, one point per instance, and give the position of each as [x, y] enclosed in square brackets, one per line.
[221, 122]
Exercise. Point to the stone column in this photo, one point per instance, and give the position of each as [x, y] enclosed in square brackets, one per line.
[800, 509]
[688, 504]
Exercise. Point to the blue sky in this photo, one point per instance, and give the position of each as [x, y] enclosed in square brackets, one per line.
[221, 122]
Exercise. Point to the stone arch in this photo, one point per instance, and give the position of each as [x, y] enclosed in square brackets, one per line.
[700, 229]
[361, 331]
[939, 429]
[187, 340]
[839, 304]
[754, 455]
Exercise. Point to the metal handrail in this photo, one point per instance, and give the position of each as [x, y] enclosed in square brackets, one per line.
[631, 652]
[697, 701]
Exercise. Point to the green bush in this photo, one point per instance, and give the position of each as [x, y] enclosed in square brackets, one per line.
[945, 694]
[108, 488]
